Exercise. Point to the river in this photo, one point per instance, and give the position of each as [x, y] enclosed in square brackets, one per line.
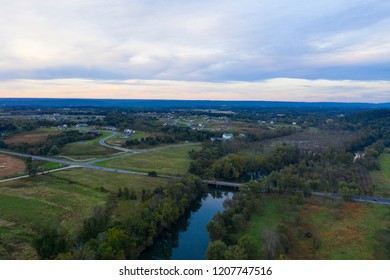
[188, 239]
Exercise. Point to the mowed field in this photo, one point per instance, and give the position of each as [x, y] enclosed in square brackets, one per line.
[381, 178]
[345, 231]
[31, 137]
[89, 148]
[11, 166]
[171, 160]
[29, 205]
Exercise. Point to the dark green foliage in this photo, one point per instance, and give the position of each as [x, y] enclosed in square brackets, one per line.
[216, 250]
[49, 244]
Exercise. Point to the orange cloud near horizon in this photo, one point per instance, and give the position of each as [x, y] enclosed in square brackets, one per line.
[280, 89]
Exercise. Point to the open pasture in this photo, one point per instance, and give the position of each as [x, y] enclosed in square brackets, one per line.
[171, 160]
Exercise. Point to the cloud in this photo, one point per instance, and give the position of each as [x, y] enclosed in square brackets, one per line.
[212, 42]
[281, 89]
[200, 40]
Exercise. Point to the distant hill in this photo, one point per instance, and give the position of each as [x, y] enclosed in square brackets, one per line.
[144, 103]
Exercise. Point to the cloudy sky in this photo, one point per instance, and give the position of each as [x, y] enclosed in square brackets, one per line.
[302, 50]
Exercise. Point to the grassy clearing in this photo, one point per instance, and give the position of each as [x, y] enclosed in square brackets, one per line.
[45, 166]
[346, 231]
[91, 148]
[381, 178]
[111, 182]
[274, 211]
[28, 205]
[170, 160]
[31, 137]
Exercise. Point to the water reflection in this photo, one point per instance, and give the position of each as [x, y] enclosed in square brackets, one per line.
[188, 239]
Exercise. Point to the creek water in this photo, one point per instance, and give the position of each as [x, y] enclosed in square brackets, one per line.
[188, 238]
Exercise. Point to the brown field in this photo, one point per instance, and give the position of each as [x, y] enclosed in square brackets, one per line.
[10, 165]
[31, 137]
[314, 139]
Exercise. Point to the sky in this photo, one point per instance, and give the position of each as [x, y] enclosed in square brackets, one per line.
[279, 50]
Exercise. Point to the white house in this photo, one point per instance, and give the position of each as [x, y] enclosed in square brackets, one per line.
[227, 136]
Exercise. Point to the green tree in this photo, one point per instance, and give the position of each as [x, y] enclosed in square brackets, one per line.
[216, 250]
[49, 244]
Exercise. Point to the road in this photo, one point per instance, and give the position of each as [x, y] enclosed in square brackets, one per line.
[104, 144]
[39, 173]
[84, 165]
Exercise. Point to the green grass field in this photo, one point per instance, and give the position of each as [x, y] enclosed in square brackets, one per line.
[63, 199]
[169, 161]
[28, 205]
[274, 211]
[381, 178]
[89, 149]
[111, 182]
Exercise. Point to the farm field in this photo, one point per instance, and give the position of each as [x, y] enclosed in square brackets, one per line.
[31, 137]
[10, 166]
[169, 161]
[28, 205]
[87, 149]
[381, 177]
[112, 182]
[342, 230]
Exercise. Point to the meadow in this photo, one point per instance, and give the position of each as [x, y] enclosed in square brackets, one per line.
[325, 229]
[31, 137]
[29, 205]
[171, 160]
[87, 149]
[62, 200]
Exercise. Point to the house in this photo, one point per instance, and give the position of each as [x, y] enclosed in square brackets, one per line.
[227, 136]
[112, 128]
[128, 132]
[80, 125]
[62, 127]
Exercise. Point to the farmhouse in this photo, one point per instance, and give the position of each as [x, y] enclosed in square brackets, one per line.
[80, 125]
[227, 136]
[62, 127]
[128, 132]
